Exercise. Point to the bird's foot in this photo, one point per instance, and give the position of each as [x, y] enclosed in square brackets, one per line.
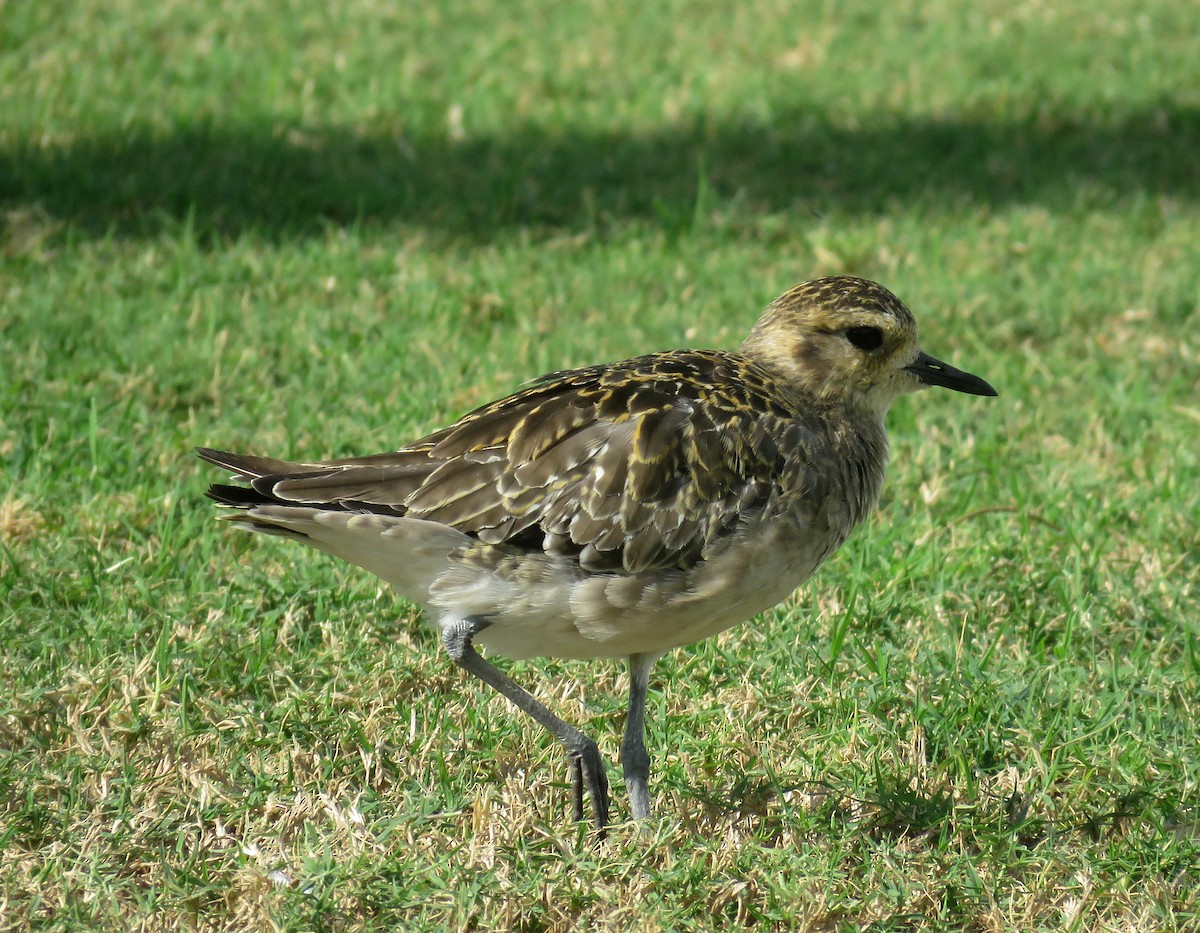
[588, 773]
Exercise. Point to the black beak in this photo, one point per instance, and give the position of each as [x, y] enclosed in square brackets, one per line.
[936, 373]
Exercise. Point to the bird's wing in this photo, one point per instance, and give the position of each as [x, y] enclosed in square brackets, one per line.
[628, 467]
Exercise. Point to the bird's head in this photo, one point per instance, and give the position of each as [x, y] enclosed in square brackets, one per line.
[850, 341]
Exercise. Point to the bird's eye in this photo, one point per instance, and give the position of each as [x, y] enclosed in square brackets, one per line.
[865, 338]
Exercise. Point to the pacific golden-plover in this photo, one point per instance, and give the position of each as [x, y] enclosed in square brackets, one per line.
[626, 509]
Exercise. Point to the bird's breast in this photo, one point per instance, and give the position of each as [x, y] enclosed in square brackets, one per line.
[540, 607]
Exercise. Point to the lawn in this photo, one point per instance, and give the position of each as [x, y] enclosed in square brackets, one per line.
[316, 230]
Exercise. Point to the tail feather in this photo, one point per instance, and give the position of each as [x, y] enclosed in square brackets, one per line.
[262, 473]
[373, 484]
[239, 497]
[248, 467]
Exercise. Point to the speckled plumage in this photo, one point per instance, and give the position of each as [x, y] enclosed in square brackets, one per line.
[628, 508]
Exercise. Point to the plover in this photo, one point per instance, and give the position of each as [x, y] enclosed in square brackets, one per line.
[626, 509]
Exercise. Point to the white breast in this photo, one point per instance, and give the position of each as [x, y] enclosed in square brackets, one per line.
[544, 606]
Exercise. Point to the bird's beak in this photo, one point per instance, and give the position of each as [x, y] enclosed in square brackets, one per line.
[936, 373]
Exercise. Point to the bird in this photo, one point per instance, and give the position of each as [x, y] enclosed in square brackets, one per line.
[621, 510]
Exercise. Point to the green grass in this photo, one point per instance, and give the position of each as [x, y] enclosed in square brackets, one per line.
[317, 230]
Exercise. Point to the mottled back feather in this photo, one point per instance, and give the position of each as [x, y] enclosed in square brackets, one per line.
[629, 467]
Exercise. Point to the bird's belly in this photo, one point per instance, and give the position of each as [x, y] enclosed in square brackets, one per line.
[545, 609]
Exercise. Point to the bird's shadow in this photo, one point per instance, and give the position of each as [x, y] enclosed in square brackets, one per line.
[896, 806]
[276, 183]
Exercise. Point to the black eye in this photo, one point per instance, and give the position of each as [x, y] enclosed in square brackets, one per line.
[865, 338]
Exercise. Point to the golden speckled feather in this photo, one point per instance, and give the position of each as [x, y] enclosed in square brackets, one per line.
[634, 467]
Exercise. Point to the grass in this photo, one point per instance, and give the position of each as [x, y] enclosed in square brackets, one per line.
[320, 230]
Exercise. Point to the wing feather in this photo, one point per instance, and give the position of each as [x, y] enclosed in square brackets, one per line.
[629, 468]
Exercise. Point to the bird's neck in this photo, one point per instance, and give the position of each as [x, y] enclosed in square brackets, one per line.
[861, 448]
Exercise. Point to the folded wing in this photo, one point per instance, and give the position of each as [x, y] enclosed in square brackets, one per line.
[629, 468]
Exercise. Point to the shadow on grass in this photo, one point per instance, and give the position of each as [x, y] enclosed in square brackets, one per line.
[280, 183]
[897, 805]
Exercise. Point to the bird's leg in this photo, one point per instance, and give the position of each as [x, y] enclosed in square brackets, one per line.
[635, 760]
[587, 767]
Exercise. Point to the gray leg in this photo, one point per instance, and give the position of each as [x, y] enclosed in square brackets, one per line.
[635, 760]
[587, 767]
